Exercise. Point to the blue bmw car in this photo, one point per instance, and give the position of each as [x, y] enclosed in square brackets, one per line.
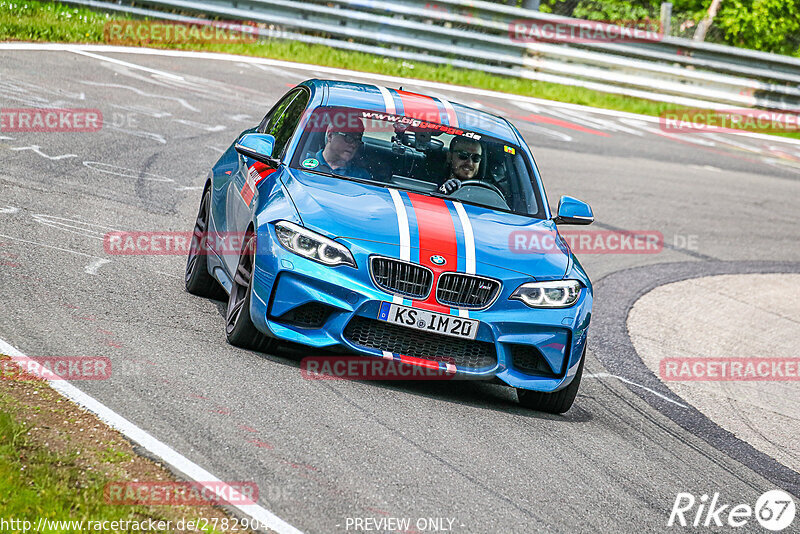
[386, 223]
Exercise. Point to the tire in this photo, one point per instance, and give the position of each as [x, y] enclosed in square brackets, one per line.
[556, 403]
[198, 280]
[239, 328]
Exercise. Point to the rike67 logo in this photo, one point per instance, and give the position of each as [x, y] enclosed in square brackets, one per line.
[774, 510]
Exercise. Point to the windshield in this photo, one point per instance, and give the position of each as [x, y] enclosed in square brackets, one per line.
[421, 156]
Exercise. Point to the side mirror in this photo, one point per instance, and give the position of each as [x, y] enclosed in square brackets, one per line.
[258, 147]
[573, 211]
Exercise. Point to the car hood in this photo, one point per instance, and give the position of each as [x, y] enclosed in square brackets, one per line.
[356, 211]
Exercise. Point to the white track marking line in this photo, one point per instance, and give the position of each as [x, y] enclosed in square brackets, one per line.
[128, 173]
[35, 149]
[129, 65]
[180, 101]
[167, 454]
[621, 379]
[92, 267]
[49, 246]
[190, 188]
[395, 80]
[8, 210]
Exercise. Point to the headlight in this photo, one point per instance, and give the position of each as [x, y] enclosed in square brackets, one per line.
[560, 294]
[313, 246]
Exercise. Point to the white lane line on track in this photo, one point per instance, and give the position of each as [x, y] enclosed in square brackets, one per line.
[89, 269]
[49, 246]
[352, 74]
[92, 267]
[191, 470]
[129, 65]
[622, 379]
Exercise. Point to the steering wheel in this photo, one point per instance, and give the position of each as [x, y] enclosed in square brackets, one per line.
[483, 184]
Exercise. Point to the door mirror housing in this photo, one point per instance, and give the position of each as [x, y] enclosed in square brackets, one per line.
[573, 211]
[258, 147]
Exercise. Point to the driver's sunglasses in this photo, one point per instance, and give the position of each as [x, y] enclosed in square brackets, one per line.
[464, 155]
[353, 139]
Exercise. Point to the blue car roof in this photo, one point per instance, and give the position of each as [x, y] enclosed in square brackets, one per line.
[396, 101]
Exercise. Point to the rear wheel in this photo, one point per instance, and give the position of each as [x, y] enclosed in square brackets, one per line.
[557, 402]
[198, 280]
[239, 327]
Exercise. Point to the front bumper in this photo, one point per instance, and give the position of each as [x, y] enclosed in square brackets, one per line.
[298, 300]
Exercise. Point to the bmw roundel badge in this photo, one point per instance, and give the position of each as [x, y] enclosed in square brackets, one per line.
[438, 260]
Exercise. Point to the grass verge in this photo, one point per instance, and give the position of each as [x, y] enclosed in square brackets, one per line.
[56, 460]
[32, 20]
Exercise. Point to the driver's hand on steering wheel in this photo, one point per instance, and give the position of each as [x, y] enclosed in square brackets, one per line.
[450, 186]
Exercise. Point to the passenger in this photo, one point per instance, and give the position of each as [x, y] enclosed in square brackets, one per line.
[341, 147]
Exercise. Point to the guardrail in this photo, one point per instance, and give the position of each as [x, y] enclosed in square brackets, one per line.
[476, 35]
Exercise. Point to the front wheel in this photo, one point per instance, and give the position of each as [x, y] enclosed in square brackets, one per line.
[558, 402]
[198, 280]
[239, 328]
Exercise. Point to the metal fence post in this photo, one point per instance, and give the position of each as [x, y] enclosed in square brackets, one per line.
[666, 17]
[531, 4]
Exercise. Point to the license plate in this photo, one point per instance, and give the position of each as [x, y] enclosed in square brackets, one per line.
[436, 323]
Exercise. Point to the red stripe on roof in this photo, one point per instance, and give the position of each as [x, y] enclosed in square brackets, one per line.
[420, 107]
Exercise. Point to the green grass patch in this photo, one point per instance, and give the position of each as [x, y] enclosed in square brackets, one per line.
[37, 482]
[47, 21]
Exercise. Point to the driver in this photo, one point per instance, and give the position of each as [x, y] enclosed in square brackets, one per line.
[463, 162]
[341, 147]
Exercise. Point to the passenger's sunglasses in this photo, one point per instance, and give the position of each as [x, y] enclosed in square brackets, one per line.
[353, 139]
[464, 155]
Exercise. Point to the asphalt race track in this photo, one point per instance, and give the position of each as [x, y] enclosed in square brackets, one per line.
[323, 451]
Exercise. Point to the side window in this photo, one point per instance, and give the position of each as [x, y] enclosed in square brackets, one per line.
[276, 111]
[284, 123]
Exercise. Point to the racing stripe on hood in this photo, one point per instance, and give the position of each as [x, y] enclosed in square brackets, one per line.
[437, 236]
[469, 244]
[405, 235]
